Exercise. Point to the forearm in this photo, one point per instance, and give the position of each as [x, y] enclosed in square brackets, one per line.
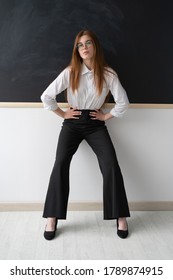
[108, 116]
[59, 112]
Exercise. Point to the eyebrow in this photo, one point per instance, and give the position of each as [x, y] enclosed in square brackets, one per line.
[84, 42]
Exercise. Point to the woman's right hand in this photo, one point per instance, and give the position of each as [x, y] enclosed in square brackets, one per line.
[71, 113]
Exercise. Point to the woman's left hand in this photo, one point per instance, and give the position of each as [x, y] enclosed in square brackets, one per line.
[99, 115]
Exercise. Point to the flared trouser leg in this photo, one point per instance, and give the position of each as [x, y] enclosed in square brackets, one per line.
[115, 203]
[58, 189]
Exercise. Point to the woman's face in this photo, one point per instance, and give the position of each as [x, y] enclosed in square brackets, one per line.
[85, 47]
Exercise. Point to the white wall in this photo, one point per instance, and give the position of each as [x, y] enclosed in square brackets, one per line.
[143, 140]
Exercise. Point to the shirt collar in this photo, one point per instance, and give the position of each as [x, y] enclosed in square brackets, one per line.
[85, 69]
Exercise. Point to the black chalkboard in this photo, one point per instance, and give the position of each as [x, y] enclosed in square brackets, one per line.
[36, 40]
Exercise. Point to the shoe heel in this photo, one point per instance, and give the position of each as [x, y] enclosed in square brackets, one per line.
[49, 235]
[122, 233]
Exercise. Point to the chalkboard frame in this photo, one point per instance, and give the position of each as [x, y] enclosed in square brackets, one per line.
[65, 105]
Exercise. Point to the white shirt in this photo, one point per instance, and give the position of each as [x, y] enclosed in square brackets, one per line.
[86, 96]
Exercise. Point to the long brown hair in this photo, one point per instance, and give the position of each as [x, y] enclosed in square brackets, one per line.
[98, 66]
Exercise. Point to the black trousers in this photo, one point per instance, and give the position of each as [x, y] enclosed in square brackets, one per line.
[73, 131]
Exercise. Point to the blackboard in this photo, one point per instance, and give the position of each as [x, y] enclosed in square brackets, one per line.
[36, 40]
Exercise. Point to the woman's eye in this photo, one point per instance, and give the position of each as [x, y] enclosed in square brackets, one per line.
[89, 42]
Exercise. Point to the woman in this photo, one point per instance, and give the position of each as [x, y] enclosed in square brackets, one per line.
[88, 81]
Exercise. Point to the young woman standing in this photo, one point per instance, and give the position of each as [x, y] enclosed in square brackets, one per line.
[88, 81]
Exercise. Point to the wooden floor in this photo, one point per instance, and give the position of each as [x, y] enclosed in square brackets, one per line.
[86, 236]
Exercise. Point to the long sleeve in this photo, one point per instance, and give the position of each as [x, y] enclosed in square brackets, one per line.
[120, 97]
[57, 86]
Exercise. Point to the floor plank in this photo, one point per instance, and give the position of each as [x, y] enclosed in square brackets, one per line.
[86, 236]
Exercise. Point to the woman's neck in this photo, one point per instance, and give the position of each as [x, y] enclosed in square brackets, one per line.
[89, 64]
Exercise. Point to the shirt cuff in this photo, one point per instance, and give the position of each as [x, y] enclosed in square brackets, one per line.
[52, 107]
[116, 112]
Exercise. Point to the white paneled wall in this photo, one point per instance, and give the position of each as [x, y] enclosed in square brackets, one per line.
[143, 140]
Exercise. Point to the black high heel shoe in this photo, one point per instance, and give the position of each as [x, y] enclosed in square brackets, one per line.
[49, 235]
[122, 233]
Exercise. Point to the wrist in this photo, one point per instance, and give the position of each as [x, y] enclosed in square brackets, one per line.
[60, 113]
[108, 116]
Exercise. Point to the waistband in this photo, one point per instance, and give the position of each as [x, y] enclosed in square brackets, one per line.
[85, 117]
[85, 111]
